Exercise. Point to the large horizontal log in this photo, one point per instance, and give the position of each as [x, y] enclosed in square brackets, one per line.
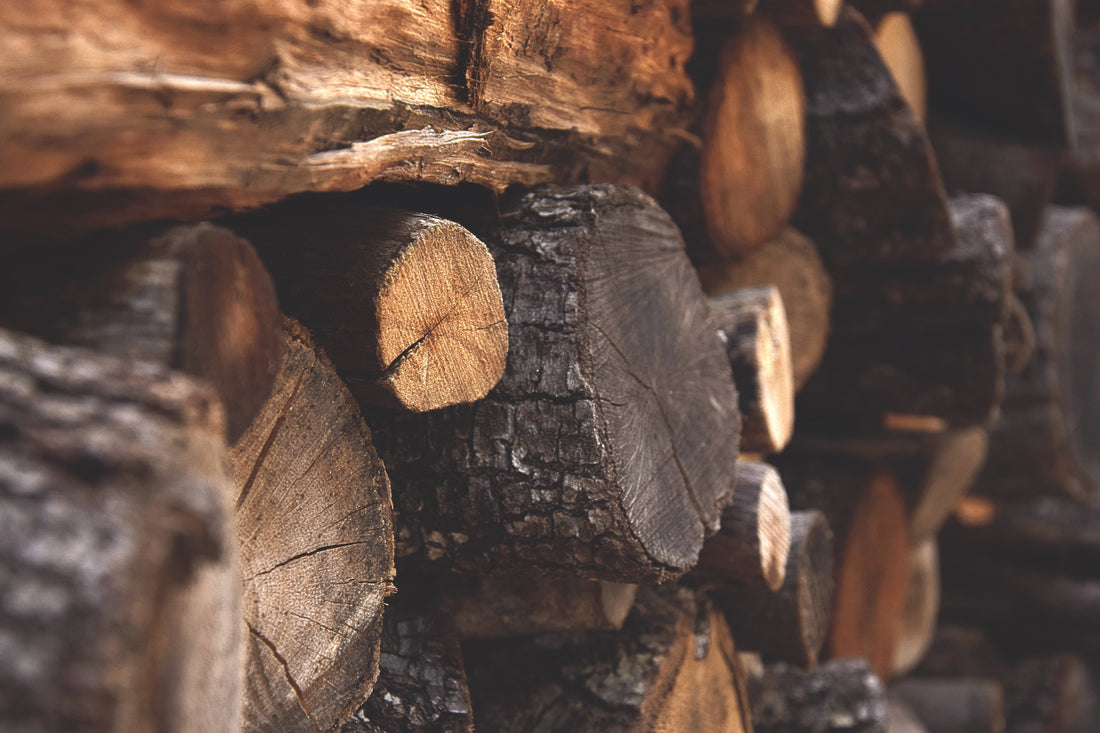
[218, 106]
[120, 584]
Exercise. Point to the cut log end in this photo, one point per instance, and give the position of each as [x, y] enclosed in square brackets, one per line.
[899, 47]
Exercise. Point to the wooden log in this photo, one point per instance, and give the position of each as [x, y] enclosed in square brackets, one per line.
[407, 305]
[1004, 66]
[215, 107]
[922, 607]
[609, 447]
[804, 13]
[753, 545]
[524, 605]
[954, 705]
[194, 298]
[733, 11]
[672, 667]
[791, 623]
[899, 47]
[872, 191]
[790, 263]
[315, 528]
[900, 719]
[842, 695]
[1047, 439]
[750, 172]
[121, 600]
[1049, 693]
[876, 10]
[422, 681]
[753, 324]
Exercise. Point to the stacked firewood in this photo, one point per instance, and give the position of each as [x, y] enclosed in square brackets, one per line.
[549, 366]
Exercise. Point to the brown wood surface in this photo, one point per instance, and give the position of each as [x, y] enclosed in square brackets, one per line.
[922, 607]
[899, 47]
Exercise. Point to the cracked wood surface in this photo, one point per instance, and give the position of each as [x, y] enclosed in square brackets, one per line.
[314, 522]
[118, 564]
[609, 445]
[406, 305]
[171, 111]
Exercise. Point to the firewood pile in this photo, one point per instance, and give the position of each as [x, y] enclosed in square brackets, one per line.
[547, 365]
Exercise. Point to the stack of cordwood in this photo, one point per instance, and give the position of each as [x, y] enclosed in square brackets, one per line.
[371, 366]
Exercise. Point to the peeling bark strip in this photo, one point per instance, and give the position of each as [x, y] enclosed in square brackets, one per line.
[219, 106]
[195, 298]
[121, 586]
[609, 445]
[406, 305]
[672, 667]
[316, 535]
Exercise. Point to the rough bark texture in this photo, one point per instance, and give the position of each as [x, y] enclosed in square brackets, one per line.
[1047, 438]
[609, 446]
[169, 111]
[922, 606]
[843, 695]
[752, 547]
[120, 583]
[899, 47]
[406, 305]
[315, 527]
[194, 298]
[791, 264]
[671, 668]
[955, 705]
[791, 623]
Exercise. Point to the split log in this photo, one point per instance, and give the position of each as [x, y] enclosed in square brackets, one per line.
[422, 681]
[524, 605]
[195, 298]
[609, 447]
[1048, 436]
[1001, 65]
[843, 695]
[672, 667]
[790, 263]
[899, 47]
[750, 173]
[922, 607]
[872, 191]
[804, 13]
[215, 107]
[406, 305]
[791, 623]
[753, 324]
[954, 705]
[314, 524]
[753, 545]
[121, 588]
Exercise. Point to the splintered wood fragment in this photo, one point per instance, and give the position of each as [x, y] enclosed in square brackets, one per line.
[523, 605]
[959, 705]
[791, 264]
[872, 191]
[753, 324]
[195, 298]
[839, 696]
[899, 47]
[753, 154]
[922, 607]
[314, 523]
[804, 13]
[789, 624]
[406, 305]
[752, 547]
[422, 681]
[672, 667]
[609, 447]
[122, 589]
[1047, 439]
[1002, 65]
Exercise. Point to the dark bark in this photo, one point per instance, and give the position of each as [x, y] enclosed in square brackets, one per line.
[843, 695]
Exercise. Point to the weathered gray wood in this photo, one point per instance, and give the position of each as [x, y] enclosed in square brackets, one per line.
[842, 695]
[118, 566]
[959, 705]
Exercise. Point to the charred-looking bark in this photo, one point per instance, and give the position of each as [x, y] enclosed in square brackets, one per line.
[118, 566]
[315, 527]
[405, 304]
[844, 695]
[1047, 438]
[195, 298]
[671, 667]
[610, 444]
